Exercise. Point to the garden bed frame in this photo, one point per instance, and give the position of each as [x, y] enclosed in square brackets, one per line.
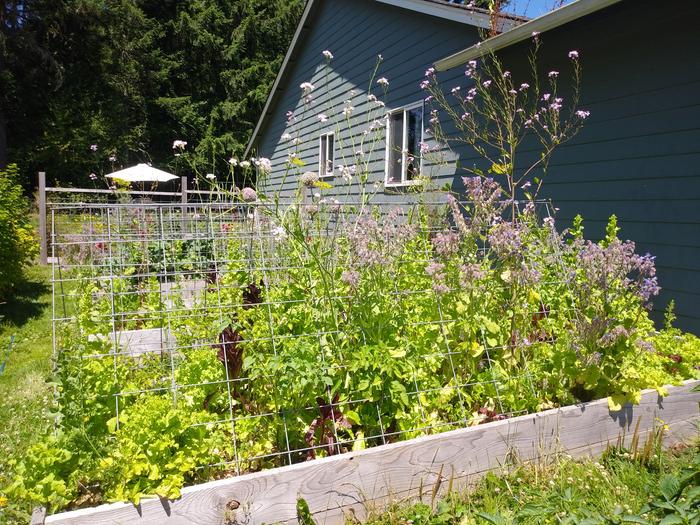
[351, 483]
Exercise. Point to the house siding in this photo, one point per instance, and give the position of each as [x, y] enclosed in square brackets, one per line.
[637, 156]
[352, 31]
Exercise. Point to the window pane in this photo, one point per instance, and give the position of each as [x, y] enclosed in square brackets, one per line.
[395, 141]
[323, 141]
[415, 125]
[329, 155]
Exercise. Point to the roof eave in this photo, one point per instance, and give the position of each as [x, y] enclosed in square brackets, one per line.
[456, 13]
[519, 33]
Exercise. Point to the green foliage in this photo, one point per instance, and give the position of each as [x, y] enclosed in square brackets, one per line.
[17, 241]
[618, 490]
[45, 475]
[130, 77]
[158, 448]
[556, 321]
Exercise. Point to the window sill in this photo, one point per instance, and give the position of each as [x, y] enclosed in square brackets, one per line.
[406, 184]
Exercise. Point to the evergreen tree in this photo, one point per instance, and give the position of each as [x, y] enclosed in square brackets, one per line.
[130, 76]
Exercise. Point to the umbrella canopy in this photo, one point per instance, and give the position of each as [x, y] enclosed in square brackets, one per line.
[142, 173]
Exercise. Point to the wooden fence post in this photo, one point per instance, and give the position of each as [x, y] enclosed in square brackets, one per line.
[43, 241]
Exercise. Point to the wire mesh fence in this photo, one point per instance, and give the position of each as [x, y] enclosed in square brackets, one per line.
[282, 333]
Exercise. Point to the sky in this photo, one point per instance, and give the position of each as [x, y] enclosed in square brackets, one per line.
[534, 8]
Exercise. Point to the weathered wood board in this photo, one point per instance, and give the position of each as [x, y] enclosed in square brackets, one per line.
[145, 341]
[188, 290]
[352, 482]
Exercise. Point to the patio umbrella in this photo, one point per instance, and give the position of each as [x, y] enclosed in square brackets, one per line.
[142, 173]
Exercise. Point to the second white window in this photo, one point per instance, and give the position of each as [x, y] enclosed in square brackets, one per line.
[326, 145]
[404, 137]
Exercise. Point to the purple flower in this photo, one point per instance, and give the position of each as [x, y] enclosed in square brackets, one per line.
[430, 72]
[425, 84]
[616, 269]
[446, 243]
[645, 346]
[573, 55]
[505, 240]
[484, 195]
[93, 147]
[611, 337]
[553, 74]
[351, 277]
[469, 273]
[434, 268]
[582, 114]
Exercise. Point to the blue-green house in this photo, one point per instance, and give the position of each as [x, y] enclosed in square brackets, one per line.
[637, 156]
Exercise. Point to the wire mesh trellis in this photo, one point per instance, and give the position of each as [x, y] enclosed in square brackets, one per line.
[290, 332]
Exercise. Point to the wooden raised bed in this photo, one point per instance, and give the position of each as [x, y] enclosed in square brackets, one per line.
[338, 485]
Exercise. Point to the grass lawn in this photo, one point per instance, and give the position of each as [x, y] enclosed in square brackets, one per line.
[25, 397]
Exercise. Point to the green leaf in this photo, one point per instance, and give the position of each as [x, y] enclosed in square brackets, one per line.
[304, 515]
[476, 349]
[496, 519]
[397, 352]
[500, 169]
[669, 486]
[491, 326]
[672, 519]
[616, 402]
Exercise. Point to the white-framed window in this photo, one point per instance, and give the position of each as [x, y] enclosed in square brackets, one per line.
[404, 133]
[326, 154]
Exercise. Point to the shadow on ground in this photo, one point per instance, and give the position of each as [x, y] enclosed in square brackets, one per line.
[26, 302]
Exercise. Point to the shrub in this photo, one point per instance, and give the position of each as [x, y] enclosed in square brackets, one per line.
[17, 242]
